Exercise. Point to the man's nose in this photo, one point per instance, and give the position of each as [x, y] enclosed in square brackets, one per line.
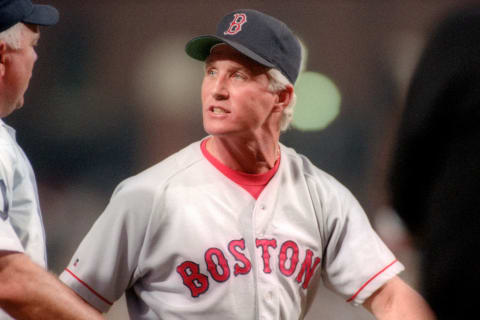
[220, 91]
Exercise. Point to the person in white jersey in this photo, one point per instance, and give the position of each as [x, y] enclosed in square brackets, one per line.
[27, 290]
[237, 225]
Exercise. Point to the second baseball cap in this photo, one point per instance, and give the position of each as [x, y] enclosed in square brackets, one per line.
[260, 37]
[14, 11]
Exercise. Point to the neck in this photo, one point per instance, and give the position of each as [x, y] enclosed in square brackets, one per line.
[246, 155]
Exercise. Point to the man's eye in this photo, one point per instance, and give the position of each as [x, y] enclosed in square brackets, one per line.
[211, 72]
[239, 75]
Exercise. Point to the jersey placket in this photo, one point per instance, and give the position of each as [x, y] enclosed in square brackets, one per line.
[263, 215]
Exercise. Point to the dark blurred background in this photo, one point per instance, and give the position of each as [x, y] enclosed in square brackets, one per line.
[113, 93]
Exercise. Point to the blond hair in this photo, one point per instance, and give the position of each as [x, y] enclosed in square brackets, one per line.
[13, 36]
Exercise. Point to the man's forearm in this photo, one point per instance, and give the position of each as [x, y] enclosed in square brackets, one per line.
[30, 292]
[397, 301]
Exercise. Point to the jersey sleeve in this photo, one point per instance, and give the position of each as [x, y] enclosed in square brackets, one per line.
[356, 262]
[9, 240]
[106, 261]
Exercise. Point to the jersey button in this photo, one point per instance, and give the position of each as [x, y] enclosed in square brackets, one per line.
[263, 207]
[269, 296]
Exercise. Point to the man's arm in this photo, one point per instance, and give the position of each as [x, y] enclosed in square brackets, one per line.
[396, 300]
[29, 292]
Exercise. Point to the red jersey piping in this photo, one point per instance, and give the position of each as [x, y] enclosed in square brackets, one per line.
[370, 280]
[89, 288]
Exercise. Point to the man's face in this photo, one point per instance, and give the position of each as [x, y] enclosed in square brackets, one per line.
[235, 94]
[18, 69]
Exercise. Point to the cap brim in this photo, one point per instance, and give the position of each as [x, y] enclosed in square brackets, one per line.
[43, 15]
[199, 48]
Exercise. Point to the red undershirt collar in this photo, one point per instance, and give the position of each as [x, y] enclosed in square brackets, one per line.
[253, 183]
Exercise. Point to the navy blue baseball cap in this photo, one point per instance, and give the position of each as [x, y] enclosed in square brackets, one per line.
[260, 37]
[14, 11]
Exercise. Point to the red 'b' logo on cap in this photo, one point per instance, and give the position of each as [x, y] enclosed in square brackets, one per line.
[236, 25]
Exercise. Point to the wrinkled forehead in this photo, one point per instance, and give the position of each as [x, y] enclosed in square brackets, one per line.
[224, 52]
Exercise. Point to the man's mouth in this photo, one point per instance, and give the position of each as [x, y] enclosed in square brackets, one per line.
[218, 110]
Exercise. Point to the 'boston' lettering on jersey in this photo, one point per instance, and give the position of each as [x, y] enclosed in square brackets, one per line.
[219, 268]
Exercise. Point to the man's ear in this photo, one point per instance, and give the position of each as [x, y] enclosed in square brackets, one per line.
[3, 57]
[284, 97]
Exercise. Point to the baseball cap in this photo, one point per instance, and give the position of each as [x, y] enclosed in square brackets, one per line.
[14, 11]
[260, 37]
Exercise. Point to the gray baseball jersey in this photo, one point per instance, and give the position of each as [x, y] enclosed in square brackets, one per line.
[186, 242]
[21, 228]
